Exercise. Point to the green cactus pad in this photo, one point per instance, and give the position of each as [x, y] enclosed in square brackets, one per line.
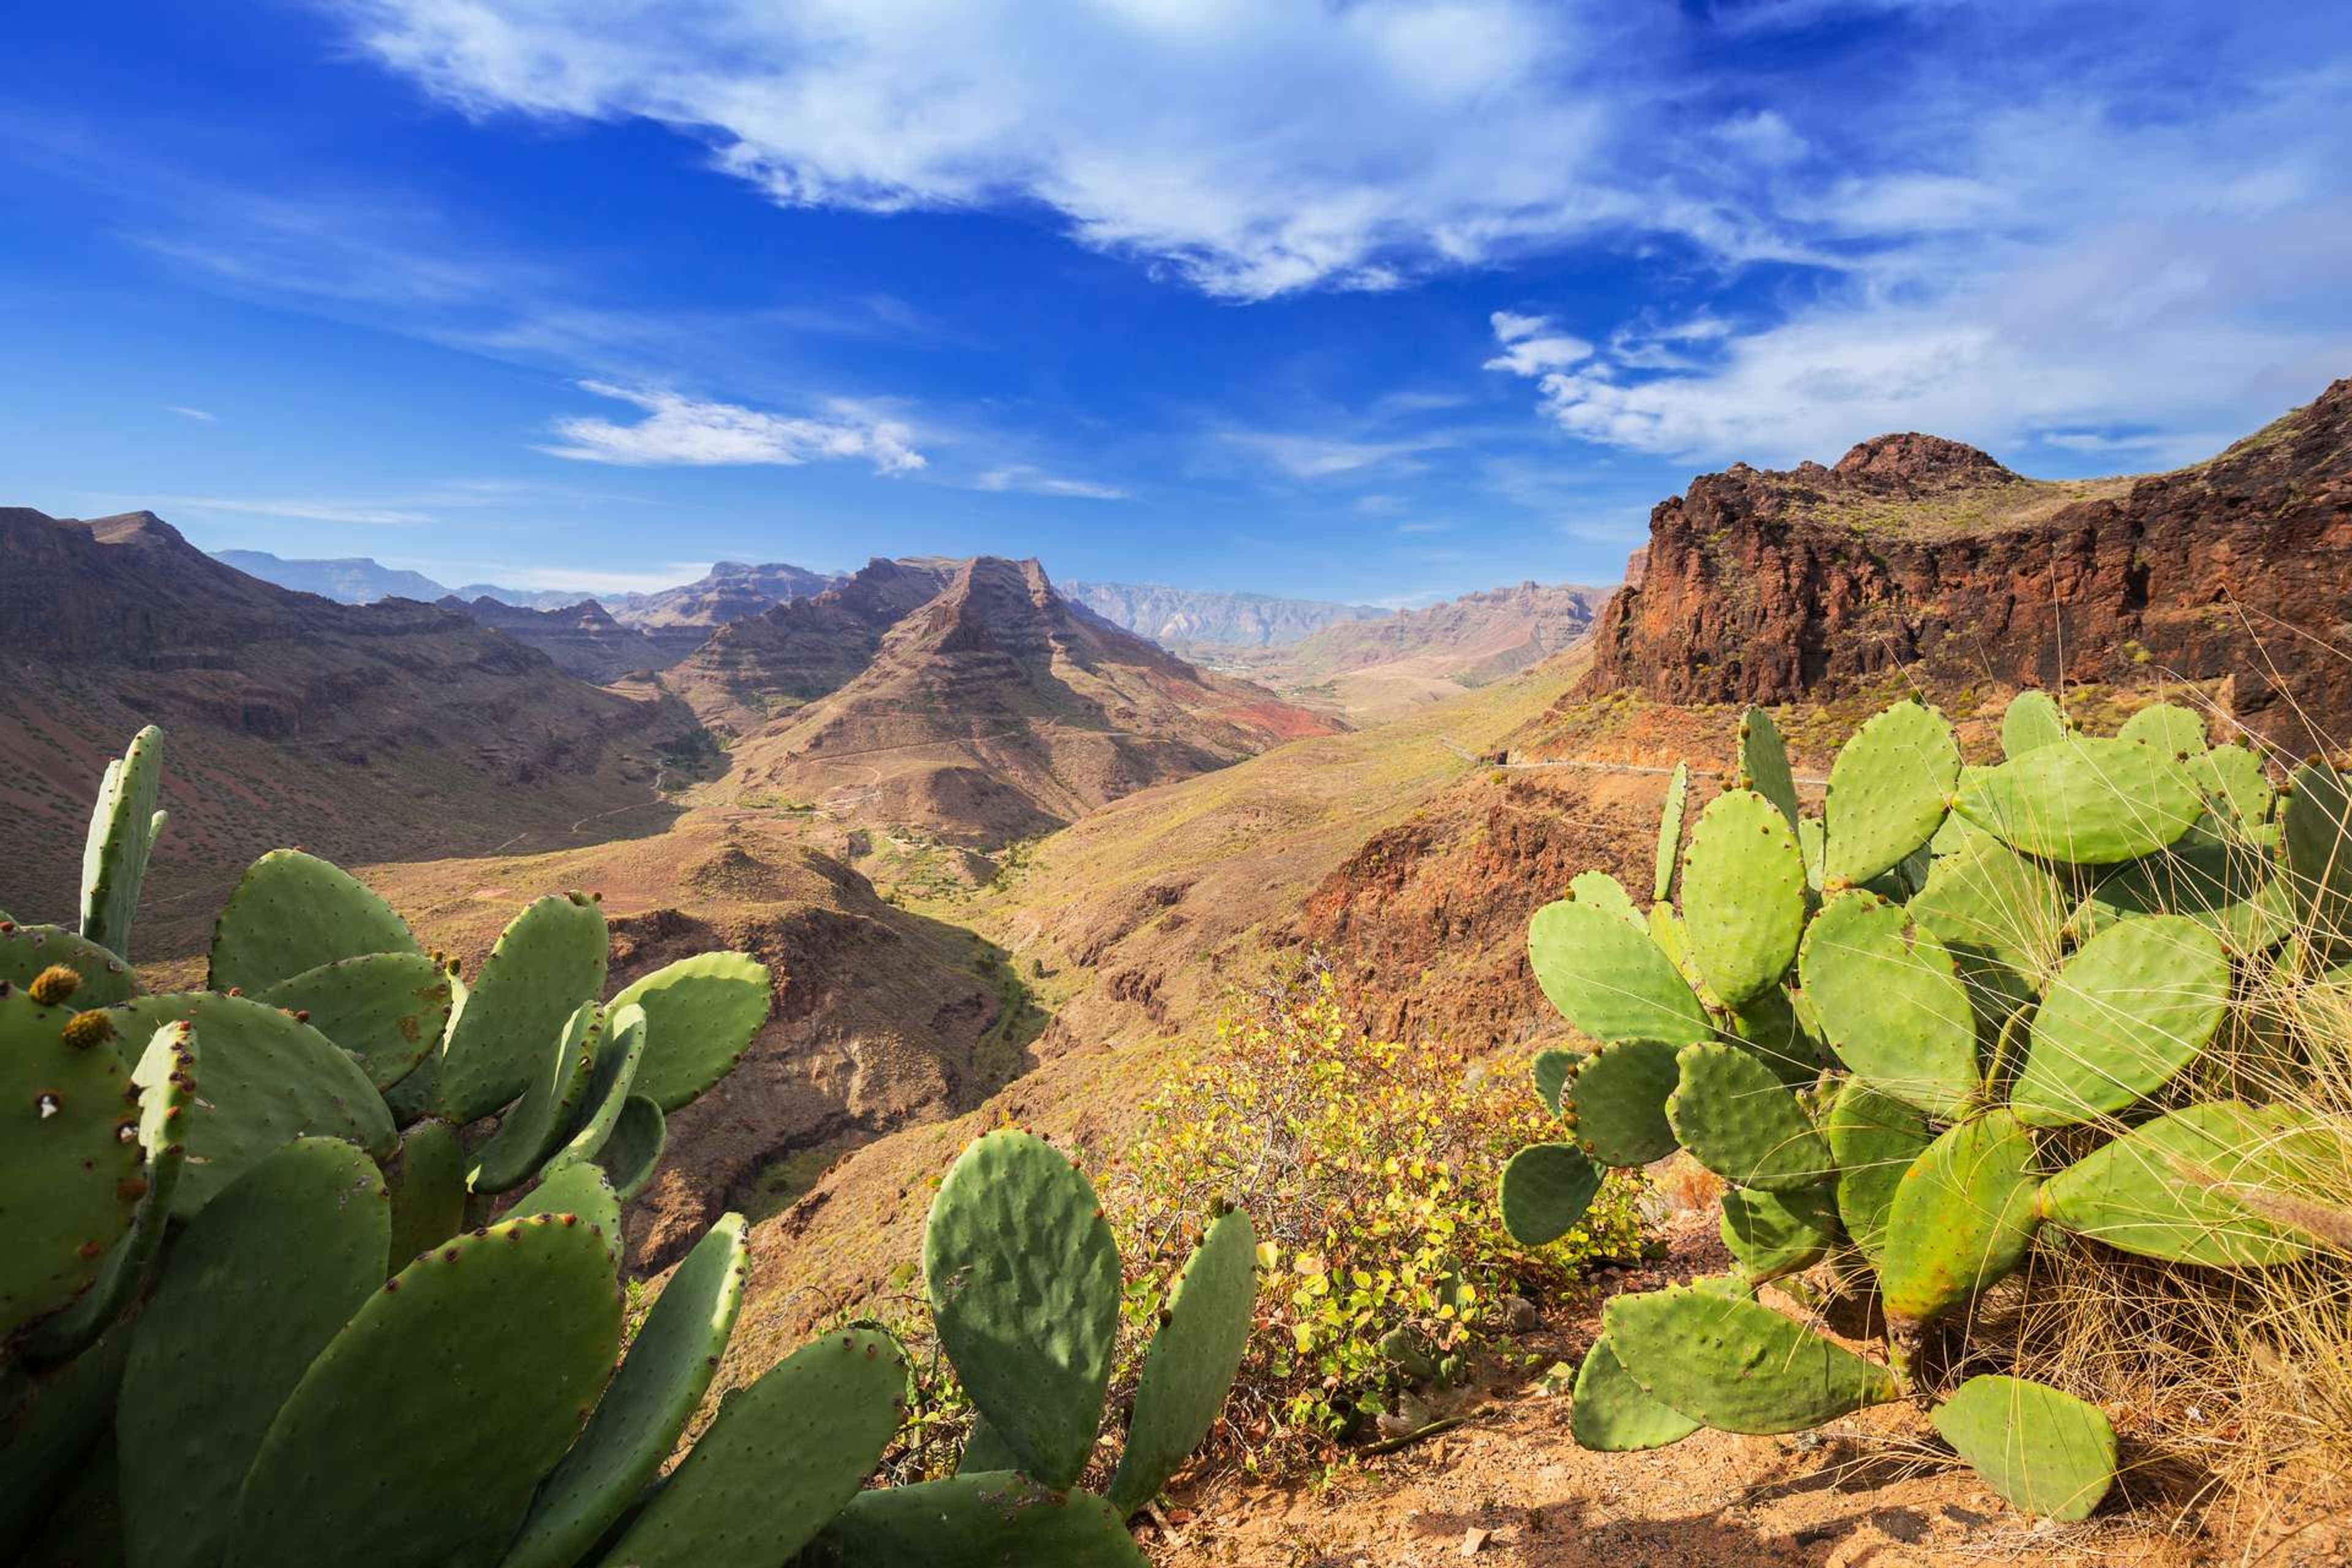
[1603, 891]
[1775, 1234]
[608, 1089]
[634, 1150]
[2129, 1010]
[1670, 833]
[1874, 1139]
[1546, 1189]
[2169, 729]
[419, 1432]
[1618, 1101]
[2090, 801]
[259, 1284]
[293, 912]
[2236, 787]
[549, 960]
[636, 1426]
[2319, 835]
[581, 1190]
[389, 1009]
[1964, 1215]
[48, 1423]
[1737, 1365]
[1737, 1119]
[701, 1015]
[269, 1079]
[1614, 1414]
[984, 1450]
[2174, 1188]
[1608, 980]
[1764, 762]
[27, 951]
[1192, 1362]
[123, 826]
[1024, 1284]
[1889, 998]
[1743, 895]
[982, 1520]
[1985, 899]
[1770, 1026]
[70, 1158]
[534, 1124]
[1666, 927]
[1812, 842]
[2045, 1451]
[1889, 789]
[2226, 888]
[428, 1190]
[85, 1529]
[2031, 722]
[1552, 1070]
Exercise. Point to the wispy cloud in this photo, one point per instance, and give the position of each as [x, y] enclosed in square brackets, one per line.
[679, 430]
[1310, 456]
[1531, 345]
[1034, 482]
[567, 580]
[197, 415]
[290, 507]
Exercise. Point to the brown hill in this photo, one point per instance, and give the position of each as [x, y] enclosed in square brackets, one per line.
[1915, 552]
[584, 639]
[357, 730]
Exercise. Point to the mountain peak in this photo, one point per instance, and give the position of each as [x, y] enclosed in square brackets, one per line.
[1911, 458]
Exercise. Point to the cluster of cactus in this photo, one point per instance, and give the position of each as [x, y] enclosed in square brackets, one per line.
[322, 1264]
[1024, 1283]
[1962, 1009]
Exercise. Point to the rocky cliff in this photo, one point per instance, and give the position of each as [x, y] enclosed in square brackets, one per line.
[584, 639]
[1917, 553]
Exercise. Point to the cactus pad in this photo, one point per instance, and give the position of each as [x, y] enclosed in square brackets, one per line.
[1547, 1187]
[27, 951]
[1737, 1119]
[1964, 1215]
[1737, 1365]
[634, 1148]
[1770, 1026]
[701, 1015]
[418, 1434]
[428, 1190]
[1670, 833]
[2226, 888]
[533, 1126]
[1608, 980]
[1743, 895]
[1764, 762]
[1603, 891]
[1775, 1234]
[1024, 1283]
[1191, 1360]
[123, 826]
[2171, 1189]
[256, 1287]
[979, 1520]
[1619, 1102]
[389, 1009]
[549, 960]
[582, 1191]
[1614, 1414]
[2318, 833]
[1552, 1070]
[2047, 1452]
[2129, 1010]
[1889, 998]
[1985, 899]
[2236, 787]
[2091, 801]
[1889, 790]
[1873, 1139]
[2167, 727]
[269, 1079]
[636, 1426]
[292, 912]
[70, 1158]
[2031, 720]
[608, 1088]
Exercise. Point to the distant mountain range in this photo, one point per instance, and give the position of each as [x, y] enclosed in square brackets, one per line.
[1186, 618]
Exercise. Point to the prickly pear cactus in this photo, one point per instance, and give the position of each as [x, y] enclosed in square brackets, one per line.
[2026, 980]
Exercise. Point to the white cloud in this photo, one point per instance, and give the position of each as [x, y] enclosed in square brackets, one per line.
[1304, 456]
[198, 415]
[1532, 347]
[685, 431]
[304, 510]
[1032, 481]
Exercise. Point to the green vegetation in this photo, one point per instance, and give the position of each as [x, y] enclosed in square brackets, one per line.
[1978, 1038]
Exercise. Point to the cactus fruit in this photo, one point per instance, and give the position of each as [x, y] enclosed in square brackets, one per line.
[1775, 1234]
[261, 1281]
[2174, 1188]
[1603, 891]
[1546, 1188]
[2129, 1010]
[979, 1520]
[292, 912]
[2046, 1451]
[368, 1463]
[1737, 1119]
[1743, 895]
[123, 827]
[1619, 1102]
[428, 1189]
[1025, 1282]
[701, 1015]
[1737, 1365]
[2031, 722]
[633, 1149]
[1670, 833]
[388, 1009]
[1611, 982]
[1611, 1414]
[1191, 1360]
[1963, 1216]
[548, 961]
[1888, 791]
[1891, 1004]
[636, 1426]
[70, 1159]
[2167, 728]
[1764, 762]
[532, 1127]
[1874, 1139]
[2093, 802]
[29, 952]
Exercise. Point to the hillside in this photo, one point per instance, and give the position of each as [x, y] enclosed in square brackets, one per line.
[357, 731]
[1919, 552]
[583, 638]
[349, 580]
[1180, 618]
[677, 620]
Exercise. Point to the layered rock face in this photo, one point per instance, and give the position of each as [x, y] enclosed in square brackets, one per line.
[1915, 552]
[584, 639]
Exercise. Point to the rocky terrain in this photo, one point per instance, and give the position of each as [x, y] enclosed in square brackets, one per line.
[679, 620]
[1182, 618]
[584, 639]
[1919, 552]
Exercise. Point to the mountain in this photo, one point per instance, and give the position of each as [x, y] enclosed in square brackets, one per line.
[996, 709]
[1917, 553]
[361, 732]
[583, 638]
[1180, 617]
[521, 598]
[678, 619]
[349, 580]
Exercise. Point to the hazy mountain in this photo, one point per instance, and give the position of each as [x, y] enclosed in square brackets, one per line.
[349, 580]
[583, 638]
[1181, 618]
[680, 618]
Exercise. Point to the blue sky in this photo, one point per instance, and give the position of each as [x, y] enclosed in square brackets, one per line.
[1379, 301]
